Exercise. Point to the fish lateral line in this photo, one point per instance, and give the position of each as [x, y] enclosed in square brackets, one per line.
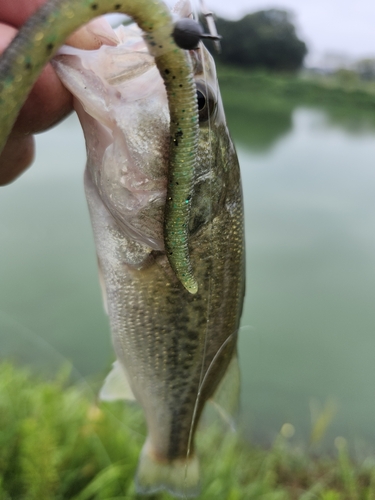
[38, 41]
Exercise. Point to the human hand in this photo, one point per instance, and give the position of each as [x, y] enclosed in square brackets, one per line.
[49, 102]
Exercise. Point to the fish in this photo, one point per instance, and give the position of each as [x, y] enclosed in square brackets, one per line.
[174, 338]
[174, 349]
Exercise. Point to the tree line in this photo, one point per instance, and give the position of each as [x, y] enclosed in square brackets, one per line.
[265, 39]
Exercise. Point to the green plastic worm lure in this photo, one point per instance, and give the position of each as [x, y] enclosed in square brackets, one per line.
[46, 31]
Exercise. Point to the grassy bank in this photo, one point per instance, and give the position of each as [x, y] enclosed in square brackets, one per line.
[274, 90]
[57, 443]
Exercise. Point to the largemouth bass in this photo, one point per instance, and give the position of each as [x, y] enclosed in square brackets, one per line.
[175, 349]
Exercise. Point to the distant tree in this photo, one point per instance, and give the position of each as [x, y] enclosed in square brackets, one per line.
[264, 39]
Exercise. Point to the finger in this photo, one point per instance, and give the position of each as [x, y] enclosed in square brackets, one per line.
[93, 35]
[48, 101]
[89, 37]
[16, 157]
[16, 12]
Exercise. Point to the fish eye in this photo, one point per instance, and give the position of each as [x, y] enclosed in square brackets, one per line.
[201, 100]
[206, 101]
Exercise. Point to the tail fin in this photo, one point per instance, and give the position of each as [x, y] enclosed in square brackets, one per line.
[179, 477]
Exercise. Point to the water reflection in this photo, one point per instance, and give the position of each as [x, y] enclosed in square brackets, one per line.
[258, 130]
[310, 214]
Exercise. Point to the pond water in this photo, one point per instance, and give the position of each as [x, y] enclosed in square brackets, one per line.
[307, 343]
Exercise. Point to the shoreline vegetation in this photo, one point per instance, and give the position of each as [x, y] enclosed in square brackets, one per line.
[266, 101]
[304, 87]
[56, 442]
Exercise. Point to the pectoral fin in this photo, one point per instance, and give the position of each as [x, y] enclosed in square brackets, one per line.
[227, 395]
[116, 385]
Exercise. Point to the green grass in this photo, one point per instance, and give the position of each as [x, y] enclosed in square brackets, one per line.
[57, 443]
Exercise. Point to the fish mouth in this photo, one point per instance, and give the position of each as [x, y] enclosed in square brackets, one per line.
[122, 104]
[134, 169]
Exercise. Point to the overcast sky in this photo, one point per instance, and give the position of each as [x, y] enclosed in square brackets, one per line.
[335, 27]
[340, 26]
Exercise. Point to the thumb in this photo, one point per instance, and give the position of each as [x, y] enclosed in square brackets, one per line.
[93, 35]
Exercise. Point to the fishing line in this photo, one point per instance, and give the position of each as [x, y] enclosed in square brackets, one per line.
[203, 375]
[223, 345]
[190, 437]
